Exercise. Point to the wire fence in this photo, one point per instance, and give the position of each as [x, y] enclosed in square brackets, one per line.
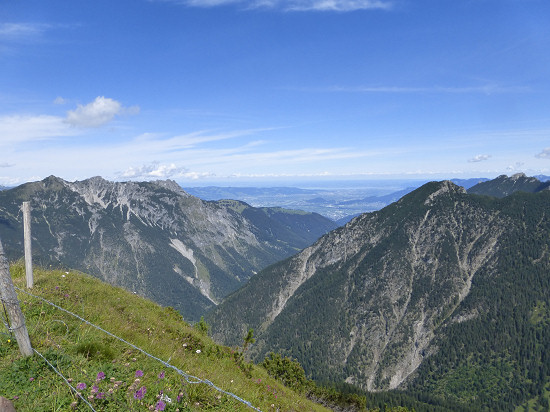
[5, 320]
[188, 378]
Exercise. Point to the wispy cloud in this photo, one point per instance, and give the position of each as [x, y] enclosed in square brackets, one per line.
[544, 154]
[202, 163]
[160, 143]
[191, 157]
[293, 5]
[243, 158]
[479, 158]
[483, 89]
[97, 113]
[21, 128]
[16, 31]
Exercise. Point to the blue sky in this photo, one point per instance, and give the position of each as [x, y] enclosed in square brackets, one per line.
[204, 91]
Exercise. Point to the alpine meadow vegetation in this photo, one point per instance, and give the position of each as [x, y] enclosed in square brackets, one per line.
[107, 374]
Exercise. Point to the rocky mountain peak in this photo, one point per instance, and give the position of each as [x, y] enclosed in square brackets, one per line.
[517, 176]
[53, 182]
[444, 188]
[171, 185]
[96, 180]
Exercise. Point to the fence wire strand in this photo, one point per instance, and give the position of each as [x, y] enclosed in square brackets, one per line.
[5, 319]
[189, 378]
[65, 379]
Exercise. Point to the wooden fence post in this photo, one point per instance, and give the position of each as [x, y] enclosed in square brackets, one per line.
[9, 298]
[28, 247]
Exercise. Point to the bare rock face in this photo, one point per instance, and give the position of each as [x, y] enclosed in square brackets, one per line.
[367, 302]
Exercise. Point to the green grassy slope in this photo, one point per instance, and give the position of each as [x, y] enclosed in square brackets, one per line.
[86, 355]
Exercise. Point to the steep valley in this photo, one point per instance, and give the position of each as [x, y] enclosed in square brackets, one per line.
[153, 238]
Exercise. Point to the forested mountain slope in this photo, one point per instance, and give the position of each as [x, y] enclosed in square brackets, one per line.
[153, 238]
[442, 292]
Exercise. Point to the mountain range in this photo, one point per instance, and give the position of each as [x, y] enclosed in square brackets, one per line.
[443, 293]
[153, 238]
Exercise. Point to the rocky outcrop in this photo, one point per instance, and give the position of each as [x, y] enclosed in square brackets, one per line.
[6, 405]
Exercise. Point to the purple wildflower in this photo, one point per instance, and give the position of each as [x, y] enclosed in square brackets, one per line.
[95, 389]
[139, 373]
[100, 395]
[100, 376]
[80, 386]
[160, 406]
[140, 393]
[31, 379]
[161, 375]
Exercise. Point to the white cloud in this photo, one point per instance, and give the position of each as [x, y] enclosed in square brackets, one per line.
[196, 175]
[156, 170]
[479, 158]
[5, 164]
[21, 128]
[294, 5]
[545, 154]
[152, 170]
[337, 5]
[97, 113]
[59, 100]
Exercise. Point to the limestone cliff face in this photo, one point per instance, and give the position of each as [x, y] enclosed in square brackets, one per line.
[150, 237]
[366, 301]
